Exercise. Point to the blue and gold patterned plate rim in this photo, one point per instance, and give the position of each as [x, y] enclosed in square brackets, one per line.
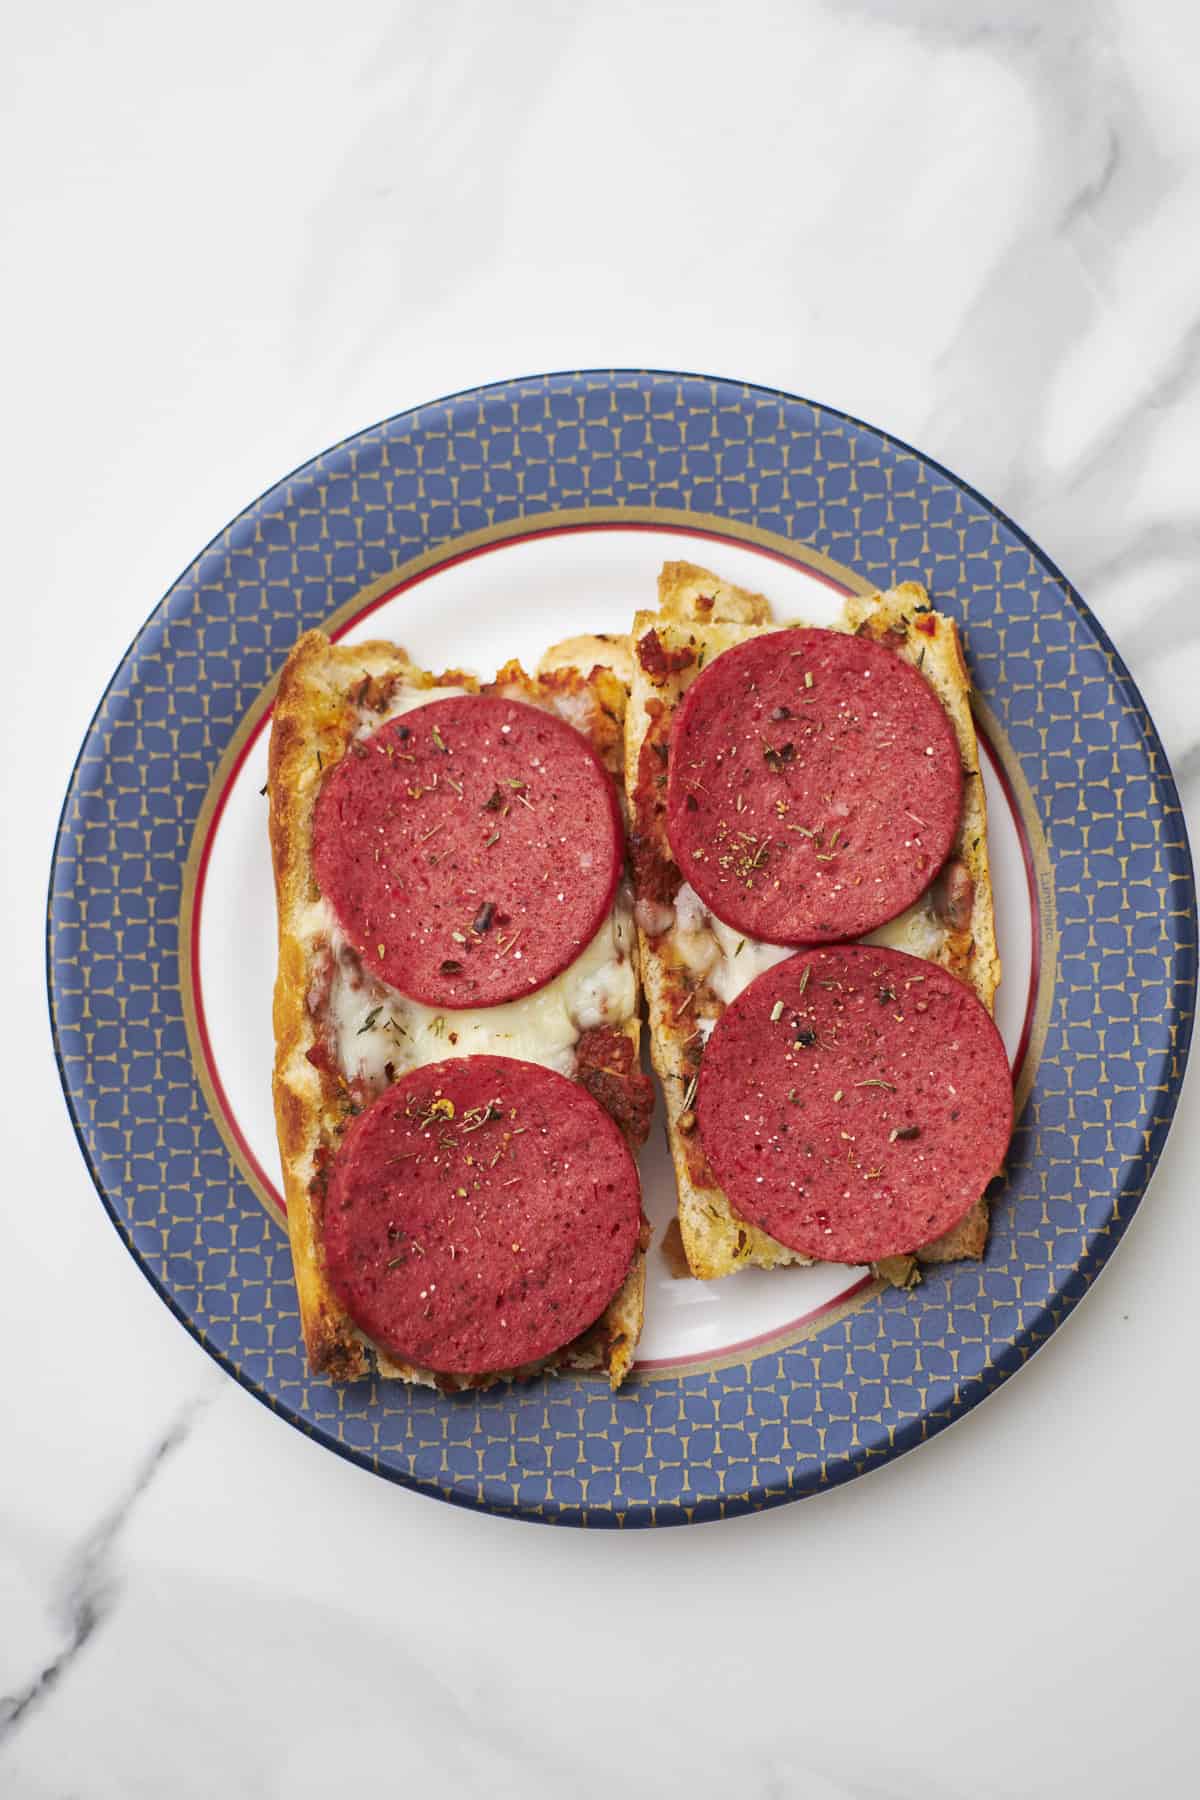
[1107, 1028]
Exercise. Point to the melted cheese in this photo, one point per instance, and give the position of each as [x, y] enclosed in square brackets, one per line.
[726, 958]
[729, 961]
[742, 958]
[405, 699]
[918, 931]
[372, 1024]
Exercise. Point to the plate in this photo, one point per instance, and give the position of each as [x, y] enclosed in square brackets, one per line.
[490, 524]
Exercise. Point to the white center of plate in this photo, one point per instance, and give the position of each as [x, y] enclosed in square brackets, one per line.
[515, 600]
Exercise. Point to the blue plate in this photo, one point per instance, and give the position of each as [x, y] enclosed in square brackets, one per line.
[867, 1373]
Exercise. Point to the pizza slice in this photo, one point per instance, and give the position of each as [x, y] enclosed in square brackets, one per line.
[695, 962]
[454, 909]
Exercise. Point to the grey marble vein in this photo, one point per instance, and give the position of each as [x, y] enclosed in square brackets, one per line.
[1095, 187]
[1122, 441]
[89, 1586]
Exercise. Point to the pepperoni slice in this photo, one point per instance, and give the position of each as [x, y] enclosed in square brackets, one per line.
[815, 786]
[855, 1102]
[480, 1214]
[470, 849]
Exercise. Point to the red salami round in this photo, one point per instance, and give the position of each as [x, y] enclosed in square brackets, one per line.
[814, 786]
[480, 1215]
[470, 849]
[855, 1102]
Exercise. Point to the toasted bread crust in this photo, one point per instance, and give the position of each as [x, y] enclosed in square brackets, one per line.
[586, 654]
[322, 693]
[699, 617]
[904, 620]
[688, 592]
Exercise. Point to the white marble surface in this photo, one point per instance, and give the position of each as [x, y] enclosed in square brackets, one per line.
[236, 232]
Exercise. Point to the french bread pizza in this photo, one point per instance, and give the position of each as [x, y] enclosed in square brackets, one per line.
[457, 1088]
[814, 916]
